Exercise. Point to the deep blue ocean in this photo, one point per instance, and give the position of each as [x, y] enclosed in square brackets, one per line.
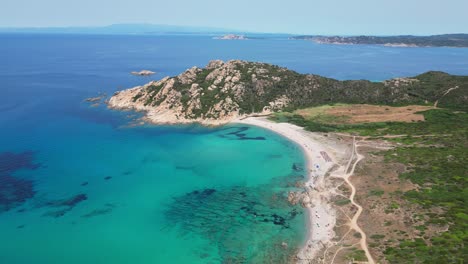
[80, 184]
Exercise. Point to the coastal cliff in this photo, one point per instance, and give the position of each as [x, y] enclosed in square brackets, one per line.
[225, 91]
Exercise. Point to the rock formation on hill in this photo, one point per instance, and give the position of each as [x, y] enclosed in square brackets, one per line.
[224, 91]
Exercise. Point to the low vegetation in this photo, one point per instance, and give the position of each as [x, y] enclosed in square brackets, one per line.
[436, 156]
[240, 87]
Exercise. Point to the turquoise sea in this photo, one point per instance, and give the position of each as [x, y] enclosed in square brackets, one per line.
[81, 184]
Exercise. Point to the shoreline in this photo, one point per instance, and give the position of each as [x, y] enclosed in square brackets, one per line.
[320, 159]
[323, 155]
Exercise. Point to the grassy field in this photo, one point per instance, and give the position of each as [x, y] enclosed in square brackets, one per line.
[435, 151]
[363, 113]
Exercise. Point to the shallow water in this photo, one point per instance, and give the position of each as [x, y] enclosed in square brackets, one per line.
[102, 190]
[79, 185]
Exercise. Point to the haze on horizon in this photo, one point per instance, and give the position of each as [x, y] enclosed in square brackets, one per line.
[345, 17]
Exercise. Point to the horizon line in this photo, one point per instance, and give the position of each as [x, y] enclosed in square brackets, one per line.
[201, 29]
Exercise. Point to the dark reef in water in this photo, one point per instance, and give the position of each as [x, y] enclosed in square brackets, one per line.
[149, 158]
[275, 156]
[225, 214]
[57, 213]
[14, 191]
[11, 162]
[238, 133]
[202, 194]
[102, 211]
[73, 201]
[180, 167]
[297, 167]
[65, 205]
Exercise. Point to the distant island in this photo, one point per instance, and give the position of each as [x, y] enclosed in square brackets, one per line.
[447, 40]
[232, 37]
[142, 73]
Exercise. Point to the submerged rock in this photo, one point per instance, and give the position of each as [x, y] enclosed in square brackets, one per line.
[93, 99]
[65, 205]
[57, 213]
[72, 202]
[96, 100]
[107, 209]
[228, 215]
[14, 191]
[11, 162]
[294, 197]
[238, 133]
[297, 167]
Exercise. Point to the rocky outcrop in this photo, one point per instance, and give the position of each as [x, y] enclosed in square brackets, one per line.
[216, 94]
[224, 91]
[143, 73]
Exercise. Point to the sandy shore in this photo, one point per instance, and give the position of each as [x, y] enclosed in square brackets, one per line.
[321, 154]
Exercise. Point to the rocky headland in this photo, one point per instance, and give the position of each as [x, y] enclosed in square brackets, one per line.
[225, 91]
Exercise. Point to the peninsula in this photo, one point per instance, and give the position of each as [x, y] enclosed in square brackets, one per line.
[446, 40]
[225, 91]
[386, 169]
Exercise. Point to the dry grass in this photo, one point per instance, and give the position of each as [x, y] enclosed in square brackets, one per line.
[354, 114]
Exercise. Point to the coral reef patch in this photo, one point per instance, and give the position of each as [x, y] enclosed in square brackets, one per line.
[14, 191]
[65, 205]
[239, 134]
[227, 214]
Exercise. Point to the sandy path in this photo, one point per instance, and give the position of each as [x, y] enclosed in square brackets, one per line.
[446, 92]
[346, 173]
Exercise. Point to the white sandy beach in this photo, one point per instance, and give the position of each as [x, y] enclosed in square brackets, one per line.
[321, 157]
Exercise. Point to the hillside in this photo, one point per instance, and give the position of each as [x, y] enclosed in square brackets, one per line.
[224, 91]
[446, 40]
[413, 193]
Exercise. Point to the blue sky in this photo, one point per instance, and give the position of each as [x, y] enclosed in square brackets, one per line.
[348, 17]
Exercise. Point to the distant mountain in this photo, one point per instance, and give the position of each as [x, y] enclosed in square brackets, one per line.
[447, 40]
[122, 29]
